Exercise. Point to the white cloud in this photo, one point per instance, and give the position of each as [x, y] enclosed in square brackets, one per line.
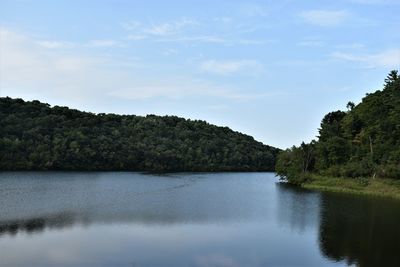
[173, 31]
[388, 59]
[176, 31]
[181, 30]
[211, 39]
[31, 71]
[146, 91]
[169, 52]
[91, 43]
[28, 69]
[135, 37]
[348, 57]
[229, 67]
[159, 29]
[252, 42]
[183, 88]
[170, 28]
[375, 2]
[199, 38]
[131, 25]
[311, 43]
[55, 44]
[162, 29]
[103, 43]
[253, 10]
[223, 20]
[325, 17]
[351, 46]
[217, 107]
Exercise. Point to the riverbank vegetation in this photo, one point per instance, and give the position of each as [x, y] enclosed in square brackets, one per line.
[35, 136]
[362, 186]
[361, 144]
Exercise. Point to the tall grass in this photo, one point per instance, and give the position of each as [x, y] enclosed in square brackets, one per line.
[363, 186]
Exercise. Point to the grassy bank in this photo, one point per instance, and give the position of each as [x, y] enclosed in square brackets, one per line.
[363, 186]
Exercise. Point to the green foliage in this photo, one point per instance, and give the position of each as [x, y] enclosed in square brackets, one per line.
[392, 77]
[294, 164]
[35, 136]
[362, 142]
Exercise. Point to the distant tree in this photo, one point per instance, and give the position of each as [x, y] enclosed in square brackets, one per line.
[295, 163]
[392, 77]
[362, 142]
[350, 105]
[35, 136]
[331, 125]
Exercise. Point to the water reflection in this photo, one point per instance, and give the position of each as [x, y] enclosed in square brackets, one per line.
[36, 225]
[33, 202]
[360, 230]
[298, 208]
[240, 219]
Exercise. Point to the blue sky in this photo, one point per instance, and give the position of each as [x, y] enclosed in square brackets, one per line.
[270, 69]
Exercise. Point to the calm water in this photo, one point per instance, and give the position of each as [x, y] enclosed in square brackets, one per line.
[205, 220]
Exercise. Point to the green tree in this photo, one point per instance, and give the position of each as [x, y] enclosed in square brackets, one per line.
[35, 136]
[391, 78]
[364, 141]
[294, 164]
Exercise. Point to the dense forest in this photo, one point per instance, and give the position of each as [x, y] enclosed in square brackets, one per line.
[363, 141]
[35, 136]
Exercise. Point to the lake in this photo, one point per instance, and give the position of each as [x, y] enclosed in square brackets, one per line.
[221, 219]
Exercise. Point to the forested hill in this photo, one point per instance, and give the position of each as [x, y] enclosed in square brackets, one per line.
[363, 141]
[35, 136]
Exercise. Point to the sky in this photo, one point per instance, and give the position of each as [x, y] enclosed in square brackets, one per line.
[270, 69]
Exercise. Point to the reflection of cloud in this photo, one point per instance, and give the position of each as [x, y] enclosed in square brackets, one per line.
[215, 260]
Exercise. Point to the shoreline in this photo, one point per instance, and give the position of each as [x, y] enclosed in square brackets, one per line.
[388, 188]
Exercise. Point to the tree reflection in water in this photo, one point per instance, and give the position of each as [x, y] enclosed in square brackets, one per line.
[248, 218]
[357, 230]
[360, 230]
[36, 225]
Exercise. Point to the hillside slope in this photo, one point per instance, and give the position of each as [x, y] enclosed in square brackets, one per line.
[35, 136]
[363, 141]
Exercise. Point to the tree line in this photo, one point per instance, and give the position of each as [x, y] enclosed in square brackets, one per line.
[363, 141]
[36, 136]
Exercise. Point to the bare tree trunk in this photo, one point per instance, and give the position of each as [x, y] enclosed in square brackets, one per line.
[372, 154]
[370, 146]
[308, 159]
